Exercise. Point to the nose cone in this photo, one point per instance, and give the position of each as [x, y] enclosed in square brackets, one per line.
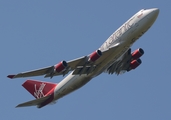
[152, 14]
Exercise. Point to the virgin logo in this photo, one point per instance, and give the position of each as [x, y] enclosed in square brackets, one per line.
[39, 91]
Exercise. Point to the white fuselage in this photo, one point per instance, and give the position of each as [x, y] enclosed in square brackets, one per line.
[124, 36]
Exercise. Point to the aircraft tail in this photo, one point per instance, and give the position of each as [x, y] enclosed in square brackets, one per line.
[39, 89]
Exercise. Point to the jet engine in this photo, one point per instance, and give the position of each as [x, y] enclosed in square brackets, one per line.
[135, 63]
[95, 55]
[60, 66]
[137, 53]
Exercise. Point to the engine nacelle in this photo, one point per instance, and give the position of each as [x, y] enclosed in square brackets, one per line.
[137, 53]
[95, 55]
[60, 66]
[135, 63]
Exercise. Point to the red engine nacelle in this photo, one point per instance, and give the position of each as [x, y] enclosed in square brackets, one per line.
[135, 63]
[95, 55]
[60, 66]
[137, 53]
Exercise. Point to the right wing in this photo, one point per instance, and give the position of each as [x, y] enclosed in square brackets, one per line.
[121, 65]
[127, 62]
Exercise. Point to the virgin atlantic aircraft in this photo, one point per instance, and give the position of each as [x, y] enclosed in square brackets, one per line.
[114, 56]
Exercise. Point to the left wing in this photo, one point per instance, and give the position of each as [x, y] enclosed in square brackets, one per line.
[127, 62]
[82, 65]
[49, 71]
[37, 72]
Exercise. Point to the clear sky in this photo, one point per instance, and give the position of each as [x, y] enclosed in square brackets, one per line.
[40, 33]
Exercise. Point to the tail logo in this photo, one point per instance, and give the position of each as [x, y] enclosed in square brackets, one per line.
[39, 90]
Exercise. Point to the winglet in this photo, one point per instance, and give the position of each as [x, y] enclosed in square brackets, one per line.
[11, 76]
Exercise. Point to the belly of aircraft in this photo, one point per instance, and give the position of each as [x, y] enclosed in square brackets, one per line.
[73, 84]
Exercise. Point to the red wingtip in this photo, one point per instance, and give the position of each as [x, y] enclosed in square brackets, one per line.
[11, 76]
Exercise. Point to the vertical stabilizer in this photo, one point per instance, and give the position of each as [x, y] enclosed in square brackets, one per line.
[39, 89]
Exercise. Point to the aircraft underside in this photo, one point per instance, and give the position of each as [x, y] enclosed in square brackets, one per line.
[113, 57]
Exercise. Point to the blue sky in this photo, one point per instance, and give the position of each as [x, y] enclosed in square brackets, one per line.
[36, 34]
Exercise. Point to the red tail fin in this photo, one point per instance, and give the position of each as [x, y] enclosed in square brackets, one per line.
[38, 88]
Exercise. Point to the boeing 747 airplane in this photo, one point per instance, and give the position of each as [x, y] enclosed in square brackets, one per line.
[114, 56]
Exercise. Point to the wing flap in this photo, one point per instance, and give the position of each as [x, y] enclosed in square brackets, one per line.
[83, 70]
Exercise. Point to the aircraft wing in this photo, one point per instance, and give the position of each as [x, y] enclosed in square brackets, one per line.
[47, 70]
[122, 65]
[82, 66]
[37, 72]
[79, 65]
[126, 62]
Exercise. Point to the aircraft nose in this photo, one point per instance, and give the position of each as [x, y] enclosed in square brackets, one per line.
[153, 13]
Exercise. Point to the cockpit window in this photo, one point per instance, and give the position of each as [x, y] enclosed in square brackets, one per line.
[140, 13]
[142, 10]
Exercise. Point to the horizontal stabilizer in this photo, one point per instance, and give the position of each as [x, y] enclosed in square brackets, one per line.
[34, 102]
